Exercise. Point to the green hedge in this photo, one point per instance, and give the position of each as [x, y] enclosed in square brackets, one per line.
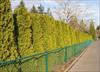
[24, 33]
[49, 34]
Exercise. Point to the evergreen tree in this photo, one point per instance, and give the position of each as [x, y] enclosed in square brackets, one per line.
[33, 10]
[49, 12]
[83, 26]
[45, 31]
[37, 33]
[21, 4]
[57, 34]
[24, 32]
[98, 31]
[7, 45]
[92, 30]
[98, 27]
[41, 9]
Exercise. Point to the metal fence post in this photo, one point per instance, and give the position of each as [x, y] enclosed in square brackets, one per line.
[46, 61]
[65, 56]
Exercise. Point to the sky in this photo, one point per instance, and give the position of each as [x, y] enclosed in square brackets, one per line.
[92, 5]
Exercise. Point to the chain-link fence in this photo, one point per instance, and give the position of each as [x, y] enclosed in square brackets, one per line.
[44, 62]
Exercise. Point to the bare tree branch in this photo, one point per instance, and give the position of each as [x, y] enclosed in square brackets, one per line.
[69, 8]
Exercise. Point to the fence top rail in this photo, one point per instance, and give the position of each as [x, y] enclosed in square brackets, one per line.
[36, 56]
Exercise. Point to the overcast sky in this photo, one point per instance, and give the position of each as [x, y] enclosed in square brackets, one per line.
[93, 6]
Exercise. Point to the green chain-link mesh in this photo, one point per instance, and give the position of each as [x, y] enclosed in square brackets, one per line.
[44, 62]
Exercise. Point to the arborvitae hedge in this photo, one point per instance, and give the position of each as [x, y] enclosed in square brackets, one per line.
[33, 33]
[7, 44]
[49, 34]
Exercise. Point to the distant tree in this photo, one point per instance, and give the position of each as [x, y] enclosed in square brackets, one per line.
[49, 12]
[7, 45]
[41, 9]
[69, 8]
[74, 23]
[92, 30]
[21, 4]
[73, 20]
[83, 26]
[98, 27]
[98, 31]
[33, 10]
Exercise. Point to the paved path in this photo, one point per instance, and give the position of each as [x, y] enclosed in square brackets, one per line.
[90, 61]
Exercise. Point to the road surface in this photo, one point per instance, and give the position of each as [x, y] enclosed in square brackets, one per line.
[90, 60]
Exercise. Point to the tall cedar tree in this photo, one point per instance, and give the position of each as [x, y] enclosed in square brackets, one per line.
[49, 12]
[98, 27]
[41, 9]
[83, 26]
[37, 32]
[33, 10]
[24, 32]
[92, 30]
[7, 45]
